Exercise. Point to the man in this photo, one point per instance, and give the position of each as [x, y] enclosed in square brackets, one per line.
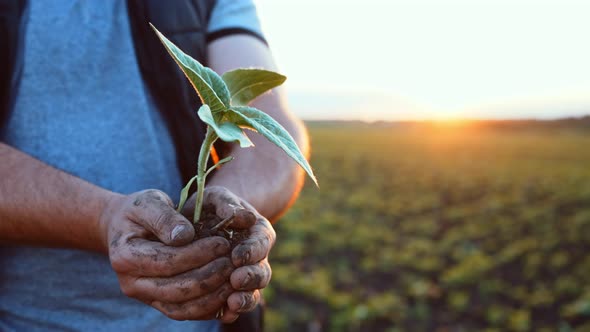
[84, 238]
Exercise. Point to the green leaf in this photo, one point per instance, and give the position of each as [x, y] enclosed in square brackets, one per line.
[256, 119]
[219, 163]
[210, 87]
[184, 194]
[227, 131]
[246, 84]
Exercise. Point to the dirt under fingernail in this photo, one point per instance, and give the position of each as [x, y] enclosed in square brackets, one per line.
[243, 304]
[246, 257]
[246, 281]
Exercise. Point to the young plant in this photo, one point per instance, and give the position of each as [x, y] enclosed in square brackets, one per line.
[226, 114]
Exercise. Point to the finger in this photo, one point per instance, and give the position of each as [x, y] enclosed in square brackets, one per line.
[154, 210]
[243, 301]
[144, 258]
[228, 316]
[257, 246]
[204, 307]
[244, 218]
[228, 205]
[186, 286]
[251, 277]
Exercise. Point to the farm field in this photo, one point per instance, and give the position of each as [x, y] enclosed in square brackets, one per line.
[423, 227]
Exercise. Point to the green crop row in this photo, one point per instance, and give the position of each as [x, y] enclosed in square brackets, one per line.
[437, 230]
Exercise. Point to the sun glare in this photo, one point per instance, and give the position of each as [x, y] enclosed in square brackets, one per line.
[451, 122]
[442, 55]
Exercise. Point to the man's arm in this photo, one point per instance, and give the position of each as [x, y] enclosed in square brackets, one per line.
[262, 179]
[43, 206]
[262, 175]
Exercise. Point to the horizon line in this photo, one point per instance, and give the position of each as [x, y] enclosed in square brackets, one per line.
[459, 119]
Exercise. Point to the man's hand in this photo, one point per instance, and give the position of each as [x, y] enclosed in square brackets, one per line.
[151, 249]
[250, 257]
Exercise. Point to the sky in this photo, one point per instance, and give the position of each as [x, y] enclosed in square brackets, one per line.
[418, 59]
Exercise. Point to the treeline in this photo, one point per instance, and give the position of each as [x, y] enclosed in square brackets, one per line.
[571, 123]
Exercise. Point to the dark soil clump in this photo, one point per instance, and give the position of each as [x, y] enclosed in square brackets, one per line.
[209, 220]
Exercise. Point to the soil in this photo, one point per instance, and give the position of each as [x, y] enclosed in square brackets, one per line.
[207, 223]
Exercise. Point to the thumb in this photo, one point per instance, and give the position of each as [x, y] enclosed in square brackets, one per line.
[227, 205]
[157, 214]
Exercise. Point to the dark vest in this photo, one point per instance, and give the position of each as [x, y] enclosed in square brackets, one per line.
[184, 22]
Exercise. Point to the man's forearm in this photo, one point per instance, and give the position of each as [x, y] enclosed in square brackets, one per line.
[263, 175]
[43, 206]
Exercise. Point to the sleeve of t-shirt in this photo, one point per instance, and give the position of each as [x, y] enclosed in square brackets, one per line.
[231, 17]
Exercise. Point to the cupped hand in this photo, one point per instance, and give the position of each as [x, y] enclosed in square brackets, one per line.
[151, 249]
[250, 257]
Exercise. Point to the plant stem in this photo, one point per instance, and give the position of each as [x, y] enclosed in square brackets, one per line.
[210, 138]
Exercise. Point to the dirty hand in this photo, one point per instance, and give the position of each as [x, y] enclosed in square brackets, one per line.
[250, 257]
[151, 249]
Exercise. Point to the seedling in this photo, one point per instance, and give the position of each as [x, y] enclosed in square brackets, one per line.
[226, 113]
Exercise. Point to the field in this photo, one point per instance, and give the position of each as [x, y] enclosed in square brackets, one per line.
[425, 227]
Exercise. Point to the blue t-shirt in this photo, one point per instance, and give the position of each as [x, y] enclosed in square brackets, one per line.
[83, 108]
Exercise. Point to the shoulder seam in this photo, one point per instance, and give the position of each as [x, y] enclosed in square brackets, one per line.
[234, 31]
